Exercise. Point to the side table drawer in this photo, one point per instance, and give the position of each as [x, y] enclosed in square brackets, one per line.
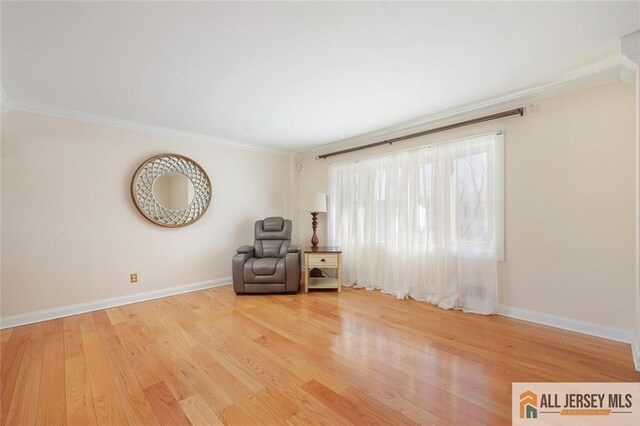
[323, 260]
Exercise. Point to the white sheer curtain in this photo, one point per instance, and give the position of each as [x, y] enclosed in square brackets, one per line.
[425, 223]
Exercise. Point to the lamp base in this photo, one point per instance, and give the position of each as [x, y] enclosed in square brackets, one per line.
[314, 225]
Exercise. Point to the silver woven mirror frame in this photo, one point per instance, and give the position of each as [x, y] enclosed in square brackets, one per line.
[148, 206]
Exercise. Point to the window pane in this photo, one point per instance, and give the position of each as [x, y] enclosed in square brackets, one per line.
[472, 198]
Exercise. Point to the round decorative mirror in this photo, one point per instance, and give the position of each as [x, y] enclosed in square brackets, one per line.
[171, 190]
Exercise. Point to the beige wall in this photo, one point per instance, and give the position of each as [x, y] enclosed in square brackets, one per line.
[569, 196]
[71, 233]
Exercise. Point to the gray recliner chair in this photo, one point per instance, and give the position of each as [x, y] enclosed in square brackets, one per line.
[271, 265]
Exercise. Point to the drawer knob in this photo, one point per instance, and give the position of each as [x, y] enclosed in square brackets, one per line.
[322, 260]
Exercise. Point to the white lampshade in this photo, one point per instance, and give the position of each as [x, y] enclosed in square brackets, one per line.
[314, 202]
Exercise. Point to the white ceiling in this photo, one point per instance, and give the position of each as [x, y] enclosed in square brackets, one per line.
[294, 75]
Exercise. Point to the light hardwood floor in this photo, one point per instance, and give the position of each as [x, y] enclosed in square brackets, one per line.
[358, 357]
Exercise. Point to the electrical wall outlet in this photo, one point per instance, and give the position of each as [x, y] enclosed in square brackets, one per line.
[134, 278]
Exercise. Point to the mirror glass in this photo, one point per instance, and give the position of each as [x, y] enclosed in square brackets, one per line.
[173, 191]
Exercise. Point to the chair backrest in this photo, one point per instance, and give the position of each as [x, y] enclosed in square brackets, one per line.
[272, 237]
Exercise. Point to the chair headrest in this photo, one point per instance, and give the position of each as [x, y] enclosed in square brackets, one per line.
[273, 228]
[273, 224]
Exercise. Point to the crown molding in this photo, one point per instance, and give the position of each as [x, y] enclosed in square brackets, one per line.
[630, 47]
[630, 51]
[18, 105]
[605, 71]
[3, 101]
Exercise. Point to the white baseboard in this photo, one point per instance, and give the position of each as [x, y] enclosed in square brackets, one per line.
[635, 350]
[584, 327]
[65, 311]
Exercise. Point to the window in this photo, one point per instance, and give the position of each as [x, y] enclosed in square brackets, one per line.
[415, 212]
[409, 189]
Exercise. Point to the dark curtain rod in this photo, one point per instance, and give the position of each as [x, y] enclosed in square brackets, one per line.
[517, 111]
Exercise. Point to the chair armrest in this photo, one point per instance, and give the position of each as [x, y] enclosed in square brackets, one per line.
[293, 249]
[237, 268]
[292, 263]
[245, 250]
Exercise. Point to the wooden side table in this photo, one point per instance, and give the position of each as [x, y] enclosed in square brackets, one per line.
[323, 258]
